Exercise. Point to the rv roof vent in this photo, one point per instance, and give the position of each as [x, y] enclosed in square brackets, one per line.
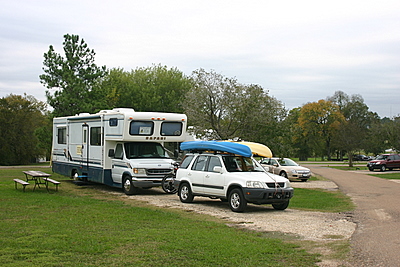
[83, 114]
[124, 110]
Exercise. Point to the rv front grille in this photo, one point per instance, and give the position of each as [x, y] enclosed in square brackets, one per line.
[158, 171]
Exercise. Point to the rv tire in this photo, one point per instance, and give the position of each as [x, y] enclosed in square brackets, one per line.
[74, 175]
[128, 186]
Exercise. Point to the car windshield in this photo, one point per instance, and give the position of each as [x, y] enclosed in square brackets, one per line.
[144, 150]
[382, 157]
[287, 162]
[241, 164]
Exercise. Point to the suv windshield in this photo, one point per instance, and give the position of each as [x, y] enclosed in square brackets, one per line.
[382, 157]
[240, 164]
[144, 150]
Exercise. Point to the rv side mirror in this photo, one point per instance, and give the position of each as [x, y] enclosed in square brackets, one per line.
[111, 153]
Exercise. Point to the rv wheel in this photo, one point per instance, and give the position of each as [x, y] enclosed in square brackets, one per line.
[128, 186]
[74, 175]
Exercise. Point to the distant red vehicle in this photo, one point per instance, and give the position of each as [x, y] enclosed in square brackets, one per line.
[385, 162]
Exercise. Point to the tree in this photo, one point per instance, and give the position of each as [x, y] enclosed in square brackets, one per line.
[20, 117]
[320, 120]
[353, 132]
[227, 109]
[392, 133]
[72, 80]
[154, 88]
[298, 143]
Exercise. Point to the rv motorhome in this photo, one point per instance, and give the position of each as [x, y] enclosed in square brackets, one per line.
[119, 147]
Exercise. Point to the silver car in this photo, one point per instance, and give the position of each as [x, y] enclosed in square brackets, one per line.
[286, 168]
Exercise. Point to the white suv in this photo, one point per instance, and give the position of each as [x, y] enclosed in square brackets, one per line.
[235, 178]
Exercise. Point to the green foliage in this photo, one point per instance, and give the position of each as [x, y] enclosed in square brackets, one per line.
[20, 116]
[320, 120]
[44, 135]
[353, 131]
[79, 226]
[219, 107]
[391, 131]
[154, 88]
[72, 79]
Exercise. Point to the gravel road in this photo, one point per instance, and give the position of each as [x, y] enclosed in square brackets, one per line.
[376, 241]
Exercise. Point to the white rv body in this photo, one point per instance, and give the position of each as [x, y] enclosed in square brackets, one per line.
[112, 146]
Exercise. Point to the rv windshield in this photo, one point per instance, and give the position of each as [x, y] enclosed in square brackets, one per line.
[135, 150]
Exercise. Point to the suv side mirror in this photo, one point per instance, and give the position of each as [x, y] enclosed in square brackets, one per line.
[111, 153]
[217, 169]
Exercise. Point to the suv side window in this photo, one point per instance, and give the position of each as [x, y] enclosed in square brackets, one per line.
[213, 162]
[396, 157]
[200, 163]
[186, 161]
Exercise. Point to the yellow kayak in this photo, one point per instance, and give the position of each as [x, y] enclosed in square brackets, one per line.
[258, 150]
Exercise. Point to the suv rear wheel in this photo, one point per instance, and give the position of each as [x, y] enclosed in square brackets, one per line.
[185, 193]
[236, 200]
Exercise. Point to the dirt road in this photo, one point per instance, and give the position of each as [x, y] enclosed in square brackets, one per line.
[376, 241]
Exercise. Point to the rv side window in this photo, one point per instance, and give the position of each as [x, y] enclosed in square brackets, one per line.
[62, 135]
[119, 152]
[95, 136]
[141, 128]
[171, 128]
[113, 122]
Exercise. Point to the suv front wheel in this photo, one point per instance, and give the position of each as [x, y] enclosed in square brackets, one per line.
[281, 206]
[185, 193]
[236, 200]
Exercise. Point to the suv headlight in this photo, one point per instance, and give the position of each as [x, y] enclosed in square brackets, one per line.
[139, 171]
[294, 171]
[255, 184]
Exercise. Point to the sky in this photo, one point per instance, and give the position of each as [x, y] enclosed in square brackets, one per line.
[300, 51]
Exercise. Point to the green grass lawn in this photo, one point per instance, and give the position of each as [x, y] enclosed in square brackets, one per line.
[79, 226]
[386, 175]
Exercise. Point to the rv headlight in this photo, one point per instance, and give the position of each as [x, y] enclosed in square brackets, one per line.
[255, 184]
[139, 171]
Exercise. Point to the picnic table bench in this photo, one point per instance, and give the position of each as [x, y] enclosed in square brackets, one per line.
[40, 178]
[22, 182]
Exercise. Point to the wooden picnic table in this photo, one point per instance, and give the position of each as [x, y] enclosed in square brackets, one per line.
[37, 176]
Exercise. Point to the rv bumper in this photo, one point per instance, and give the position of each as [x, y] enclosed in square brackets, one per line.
[145, 183]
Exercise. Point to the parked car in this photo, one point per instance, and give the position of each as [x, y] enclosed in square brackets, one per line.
[361, 158]
[287, 168]
[233, 178]
[385, 162]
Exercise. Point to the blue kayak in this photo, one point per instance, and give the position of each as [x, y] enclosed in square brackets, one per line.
[229, 147]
